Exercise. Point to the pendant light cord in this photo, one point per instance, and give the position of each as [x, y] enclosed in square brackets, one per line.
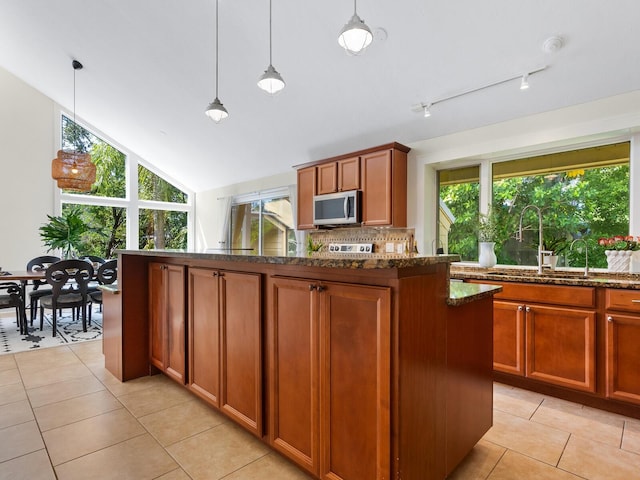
[270, 37]
[354, 7]
[216, 48]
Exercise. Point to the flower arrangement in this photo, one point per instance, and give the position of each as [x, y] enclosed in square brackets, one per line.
[620, 242]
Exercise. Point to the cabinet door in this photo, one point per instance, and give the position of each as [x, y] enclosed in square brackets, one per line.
[204, 334]
[327, 178]
[354, 382]
[349, 174]
[293, 379]
[623, 357]
[157, 315]
[561, 346]
[384, 188]
[508, 337]
[241, 349]
[176, 320]
[306, 191]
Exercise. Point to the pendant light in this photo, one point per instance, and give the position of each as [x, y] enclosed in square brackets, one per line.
[355, 36]
[73, 170]
[271, 81]
[216, 111]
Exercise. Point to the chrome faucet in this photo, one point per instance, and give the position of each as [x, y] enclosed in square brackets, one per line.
[540, 236]
[586, 254]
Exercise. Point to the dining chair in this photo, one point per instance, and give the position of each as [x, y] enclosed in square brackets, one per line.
[11, 299]
[38, 264]
[107, 274]
[69, 280]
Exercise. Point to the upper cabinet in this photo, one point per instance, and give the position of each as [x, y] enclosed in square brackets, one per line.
[381, 174]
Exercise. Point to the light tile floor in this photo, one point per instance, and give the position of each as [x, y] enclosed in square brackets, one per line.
[62, 415]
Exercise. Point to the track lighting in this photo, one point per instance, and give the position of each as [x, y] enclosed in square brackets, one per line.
[355, 36]
[425, 108]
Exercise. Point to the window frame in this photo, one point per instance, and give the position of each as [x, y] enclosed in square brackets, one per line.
[131, 202]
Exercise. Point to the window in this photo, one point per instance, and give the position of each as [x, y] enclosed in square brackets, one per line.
[581, 193]
[458, 211]
[152, 214]
[264, 225]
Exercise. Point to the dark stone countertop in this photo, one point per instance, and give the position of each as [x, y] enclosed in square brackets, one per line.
[354, 261]
[461, 293]
[563, 276]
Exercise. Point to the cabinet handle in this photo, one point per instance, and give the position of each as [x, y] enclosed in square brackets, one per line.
[610, 319]
[321, 288]
[215, 274]
[520, 308]
[528, 309]
[312, 287]
[635, 301]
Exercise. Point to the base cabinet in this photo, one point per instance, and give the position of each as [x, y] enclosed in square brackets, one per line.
[225, 349]
[329, 387]
[623, 345]
[167, 319]
[508, 337]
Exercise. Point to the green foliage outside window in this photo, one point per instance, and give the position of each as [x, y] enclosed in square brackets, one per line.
[589, 204]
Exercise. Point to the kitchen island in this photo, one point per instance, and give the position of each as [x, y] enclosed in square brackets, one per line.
[351, 367]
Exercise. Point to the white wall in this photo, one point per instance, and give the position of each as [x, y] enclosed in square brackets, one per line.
[210, 205]
[27, 143]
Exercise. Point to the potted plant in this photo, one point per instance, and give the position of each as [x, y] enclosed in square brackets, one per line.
[619, 250]
[487, 234]
[64, 232]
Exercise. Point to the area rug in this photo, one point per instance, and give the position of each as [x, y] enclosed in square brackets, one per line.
[68, 331]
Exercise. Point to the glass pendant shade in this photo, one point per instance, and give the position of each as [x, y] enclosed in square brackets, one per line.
[73, 171]
[271, 81]
[216, 111]
[355, 36]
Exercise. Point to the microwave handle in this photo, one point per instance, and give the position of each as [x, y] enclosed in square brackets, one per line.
[346, 207]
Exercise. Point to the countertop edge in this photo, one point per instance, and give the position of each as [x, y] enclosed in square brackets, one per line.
[462, 293]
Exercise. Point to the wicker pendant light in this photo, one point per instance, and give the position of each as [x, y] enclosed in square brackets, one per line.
[73, 169]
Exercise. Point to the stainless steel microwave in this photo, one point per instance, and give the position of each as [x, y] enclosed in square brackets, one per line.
[340, 208]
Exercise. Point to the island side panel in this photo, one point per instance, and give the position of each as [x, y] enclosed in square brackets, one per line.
[469, 404]
[421, 375]
[133, 284]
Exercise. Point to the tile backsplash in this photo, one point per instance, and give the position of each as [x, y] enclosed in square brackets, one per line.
[386, 241]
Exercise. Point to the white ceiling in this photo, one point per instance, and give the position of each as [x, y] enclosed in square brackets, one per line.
[149, 72]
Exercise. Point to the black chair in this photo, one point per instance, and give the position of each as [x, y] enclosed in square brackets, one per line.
[69, 280]
[36, 265]
[107, 274]
[11, 299]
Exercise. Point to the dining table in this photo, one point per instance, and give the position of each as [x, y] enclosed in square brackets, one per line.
[22, 277]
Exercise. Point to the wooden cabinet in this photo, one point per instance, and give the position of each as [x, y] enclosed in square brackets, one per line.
[384, 188]
[546, 333]
[508, 337]
[561, 346]
[330, 389]
[622, 345]
[306, 191]
[204, 334]
[225, 355]
[167, 319]
[381, 174]
[339, 176]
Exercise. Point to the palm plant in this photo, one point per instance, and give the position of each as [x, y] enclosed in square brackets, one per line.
[64, 232]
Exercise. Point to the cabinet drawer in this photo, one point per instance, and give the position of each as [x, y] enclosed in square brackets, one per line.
[625, 300]
[547, 294]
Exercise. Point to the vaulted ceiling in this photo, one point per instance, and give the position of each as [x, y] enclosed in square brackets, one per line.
[150, 70]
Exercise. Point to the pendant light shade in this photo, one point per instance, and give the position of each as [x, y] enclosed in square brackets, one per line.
[216, 111]
[271, 81]
[355, 36]
[73, 170]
